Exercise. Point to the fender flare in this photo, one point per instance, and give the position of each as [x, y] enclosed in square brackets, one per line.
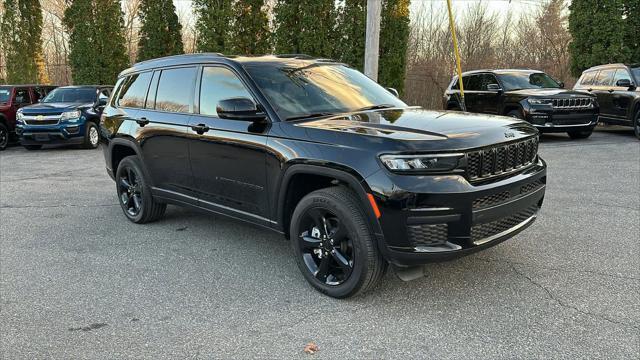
[354, 181]
[133, 145]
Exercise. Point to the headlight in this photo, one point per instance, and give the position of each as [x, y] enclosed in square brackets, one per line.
[421, 163]
[19, 115]
[540, 101]
[68, 115]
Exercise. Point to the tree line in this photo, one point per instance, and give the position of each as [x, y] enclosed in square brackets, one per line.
[97, 33]
[90, 41]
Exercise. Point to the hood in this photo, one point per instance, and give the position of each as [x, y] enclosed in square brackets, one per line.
[51, 108]
[553, 93]
[452, 129]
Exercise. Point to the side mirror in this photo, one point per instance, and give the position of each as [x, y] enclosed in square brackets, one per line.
[494, 87]
[393, 91]
[239, 108]
[101, 102]
[625, 83]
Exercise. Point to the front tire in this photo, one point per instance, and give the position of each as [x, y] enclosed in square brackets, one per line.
[91, 136]
[134, 193]
[516, 114]
[4, 136]
[333, 244]
[580, 134]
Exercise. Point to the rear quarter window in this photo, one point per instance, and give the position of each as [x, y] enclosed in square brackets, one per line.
[132, 91]
[587, 78]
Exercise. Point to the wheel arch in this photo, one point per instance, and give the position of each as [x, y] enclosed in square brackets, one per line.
[119, 148]
[301, 179]
[510, 107]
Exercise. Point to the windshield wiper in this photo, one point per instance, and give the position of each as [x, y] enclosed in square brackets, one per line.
[376, 107]
[309, 116]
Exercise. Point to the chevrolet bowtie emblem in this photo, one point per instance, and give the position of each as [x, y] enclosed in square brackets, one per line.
[39, 117]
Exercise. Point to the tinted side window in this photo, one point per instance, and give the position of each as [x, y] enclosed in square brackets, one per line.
[605, 77]
[472, 82]
[219, 83]
[456, 85]
[621, 74]
[174, 90]
[486, 80]
[588, 77]
[134, 90]
[22, 96]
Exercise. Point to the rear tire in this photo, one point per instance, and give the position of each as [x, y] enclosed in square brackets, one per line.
[580, 134]
[4, 136]
[32, 147]
[333, 244]
[91, 136]
[134, 193]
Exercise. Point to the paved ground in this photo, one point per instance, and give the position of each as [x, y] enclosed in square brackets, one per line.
[79, 281]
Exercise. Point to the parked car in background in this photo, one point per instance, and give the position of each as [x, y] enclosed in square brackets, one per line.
[12, 98]
[617, 87]
[317, 151]
[530, 95]
[67, 115]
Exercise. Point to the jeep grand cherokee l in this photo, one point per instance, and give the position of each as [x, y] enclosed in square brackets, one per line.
[12, 98]
[67, 115]
[315, 150]
[616, 86]
[526, 94]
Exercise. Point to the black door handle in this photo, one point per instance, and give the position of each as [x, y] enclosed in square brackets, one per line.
[200, 128]
[142, 121]
[610, 90]
[589, 90]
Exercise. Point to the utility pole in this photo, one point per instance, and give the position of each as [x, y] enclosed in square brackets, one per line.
[372, 43]
[456, 52]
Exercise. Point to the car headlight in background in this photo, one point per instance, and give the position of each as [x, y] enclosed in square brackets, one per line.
[421, 163]
[69, 115]
[540, 101]
[19, 116]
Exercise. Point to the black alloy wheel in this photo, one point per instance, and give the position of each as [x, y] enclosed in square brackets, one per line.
[333, 243]
[134, 193]
[4, 137]
[326, 248]
[130, 192]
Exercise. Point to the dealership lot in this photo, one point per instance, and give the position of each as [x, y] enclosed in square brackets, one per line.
[78, 280]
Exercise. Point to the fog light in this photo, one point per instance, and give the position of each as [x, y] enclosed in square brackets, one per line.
[72, 129]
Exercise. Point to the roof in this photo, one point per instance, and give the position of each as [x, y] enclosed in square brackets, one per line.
[28, 85]
[606, 66]
[499, 71]
[85, 86]
[199, 58]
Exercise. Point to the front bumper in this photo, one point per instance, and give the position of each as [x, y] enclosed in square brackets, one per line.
[62, 133]
[438, 218]
[563, 121]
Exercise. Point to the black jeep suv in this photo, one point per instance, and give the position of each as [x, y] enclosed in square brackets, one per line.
[618, 91]
[317, 151]
[526, 94]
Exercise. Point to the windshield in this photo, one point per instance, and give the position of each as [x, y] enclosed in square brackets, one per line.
[522, 80]
[317, 89]
[5, 94]
[75, 95]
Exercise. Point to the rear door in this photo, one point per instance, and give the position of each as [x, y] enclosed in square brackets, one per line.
[228, 157]
[162, 132]
[603, 89]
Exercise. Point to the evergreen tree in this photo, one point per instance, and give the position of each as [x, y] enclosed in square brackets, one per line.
[597, 28]
[214, 18]
[632, 25]
[394, 38]
[160, 31]
[250, 28]
[352, 25]
[305, 27]
[21, 40]
[96, 41]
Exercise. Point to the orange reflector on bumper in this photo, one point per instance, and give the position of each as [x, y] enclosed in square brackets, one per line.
[374, 206]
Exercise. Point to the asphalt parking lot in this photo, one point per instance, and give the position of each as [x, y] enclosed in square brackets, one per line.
[79, 281]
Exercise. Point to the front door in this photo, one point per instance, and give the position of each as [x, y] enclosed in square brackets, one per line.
[621, 98]
[228, 157]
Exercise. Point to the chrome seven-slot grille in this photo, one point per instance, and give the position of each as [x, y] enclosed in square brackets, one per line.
[570, 103]
[501, 159]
